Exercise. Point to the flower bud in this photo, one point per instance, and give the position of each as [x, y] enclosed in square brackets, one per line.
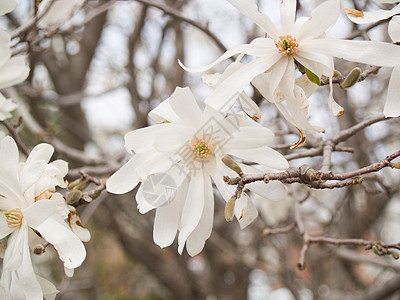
[352, 78]
[73, 196]
[394, 254]
[230, 163]
[230, 209]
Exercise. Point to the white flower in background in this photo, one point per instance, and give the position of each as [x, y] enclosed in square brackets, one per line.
[300, 41]
[6, 6]
[13, 70]
[176, 161]
[59, 11]
[361, 17]
[392, 105]
[6, 107]
[25, 208]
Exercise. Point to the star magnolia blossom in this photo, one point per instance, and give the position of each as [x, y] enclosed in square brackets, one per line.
[176, 161]
[392, 105]
[59, 11]
[303, 89]
[361, 17]
[293, 41]
[6, 106]
[13, 70]
[26, 203]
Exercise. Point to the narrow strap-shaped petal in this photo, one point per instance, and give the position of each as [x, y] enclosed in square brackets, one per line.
[4, 229]
[141, 140]
[38, 212]
[14, 71]
[249, 9]
[365, 52]
[371, 17]
[245, 211]
[322, 18]
[40, 152]
[167, 219]
[288, 13]
[69, 247]
[125, 179]
[251, 49]
[263, 156]
[196, 240]
[394, 29]
[193, 208]
[30, 174]
[226, 93]
[185, 106]
[392, 105]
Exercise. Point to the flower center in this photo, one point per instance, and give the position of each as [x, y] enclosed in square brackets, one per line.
[14, 218]
[201, 149]
[286, 45]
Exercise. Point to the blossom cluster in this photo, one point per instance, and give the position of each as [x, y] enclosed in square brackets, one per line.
[33, 214]
[177, 160]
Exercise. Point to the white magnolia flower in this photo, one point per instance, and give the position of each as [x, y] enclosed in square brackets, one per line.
[13, 70]
[59, 11]
[23, 211]
[6, 107]
[392, 105]
[300, 41]
[176, 161]
[361, 17]
[303, 89]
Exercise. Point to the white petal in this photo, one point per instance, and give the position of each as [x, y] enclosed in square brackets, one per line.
[245, 211]
[394, 29]
[13, 72]
[160, 189]
[38, 212]
[4, 229]
[30, 174]
[258, 47]
[192, 209]
[217, 170]
[185, 106]
[167, 219]
[392, 105]
[226, 93]
[41, 152]
[372, 17]
[125, 179]
[250, 137]
[211, 79]
[249, 9]
[366, 52]
[172, 138]
[322, 18]
[142, 140]
[196, 240]
[49, 290]
[273, 190]
[306, 85]
[288, 12]
[6, 6]
[163, 112]
[249, 106]
[68, 246]
[263, 156]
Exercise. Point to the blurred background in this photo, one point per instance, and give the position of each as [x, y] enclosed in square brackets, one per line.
[95, 76]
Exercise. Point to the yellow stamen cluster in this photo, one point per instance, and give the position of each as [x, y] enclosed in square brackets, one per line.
[286, 45]
[14, 218]
[201, 149]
